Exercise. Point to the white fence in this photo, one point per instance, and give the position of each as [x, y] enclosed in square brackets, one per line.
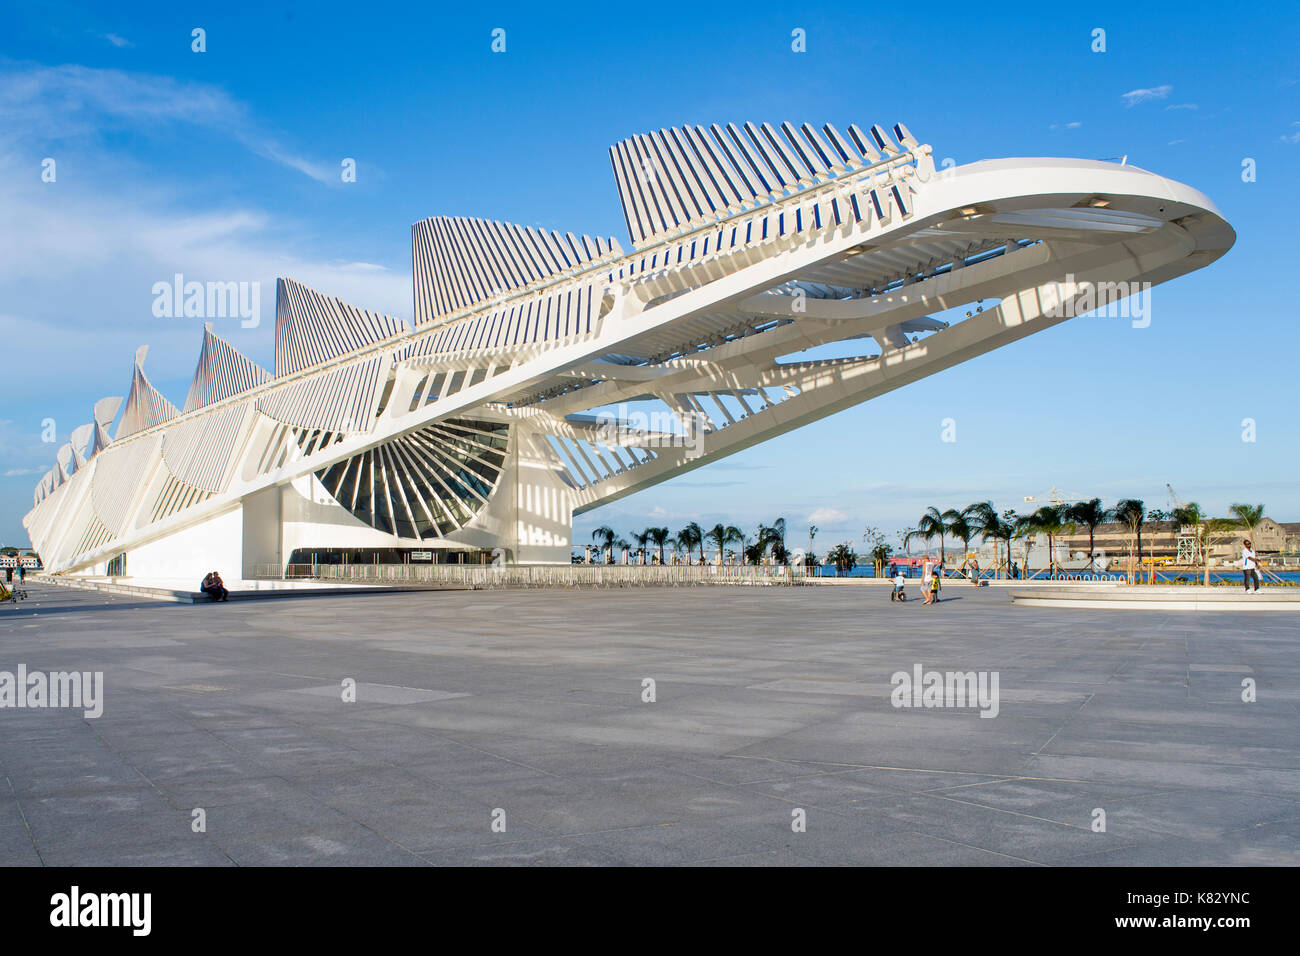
[539, 576]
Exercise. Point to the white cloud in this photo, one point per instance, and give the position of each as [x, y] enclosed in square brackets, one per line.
[1075, 124]
[830, 517]
[1292, 137]
[1133, 97]
[76, 277]
[47, 104]
[1182, 106]
[118, 41]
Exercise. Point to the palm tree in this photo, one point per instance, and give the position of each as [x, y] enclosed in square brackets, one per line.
[1002, 528]
[722, 535]
[779, 553]
[982, 519]
[959, 528]
[1248, 517]
[930, 526]
[605, 536]
[1051, 520]
[1022, 526]
[843, 557]
[690, 538]
[659, 537]
[1132, 512]
[1090, 514]
[905, 539]
[642, 539]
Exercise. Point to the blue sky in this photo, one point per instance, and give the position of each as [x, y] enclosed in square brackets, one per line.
[224, 165]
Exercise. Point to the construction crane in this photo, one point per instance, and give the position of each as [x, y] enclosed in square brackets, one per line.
[1054, 497]
[1174, 501]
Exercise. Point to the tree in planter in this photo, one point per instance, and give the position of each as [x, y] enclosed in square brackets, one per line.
[1131, 512]
[843, 557]
[1090, 514]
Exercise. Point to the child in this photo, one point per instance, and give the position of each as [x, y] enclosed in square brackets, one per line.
[898, 594]
[934, 584]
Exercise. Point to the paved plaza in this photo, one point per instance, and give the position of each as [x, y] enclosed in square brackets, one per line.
[525, 708]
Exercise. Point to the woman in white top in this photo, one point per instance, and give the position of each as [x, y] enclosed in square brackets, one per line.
[1249, 566]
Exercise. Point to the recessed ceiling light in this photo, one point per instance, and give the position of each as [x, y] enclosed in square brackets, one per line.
[1099, 203]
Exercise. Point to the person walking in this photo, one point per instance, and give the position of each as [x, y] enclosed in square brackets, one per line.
[927, 572]
[1249, 567]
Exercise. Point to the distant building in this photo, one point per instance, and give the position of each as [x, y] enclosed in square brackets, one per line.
[1161, 540]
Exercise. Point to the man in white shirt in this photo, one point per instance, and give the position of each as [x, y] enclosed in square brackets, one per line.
[1249, 566]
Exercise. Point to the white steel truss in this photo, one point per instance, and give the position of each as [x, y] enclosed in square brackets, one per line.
[546, 374]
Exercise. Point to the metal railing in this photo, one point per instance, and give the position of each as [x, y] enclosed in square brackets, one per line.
[538, 576]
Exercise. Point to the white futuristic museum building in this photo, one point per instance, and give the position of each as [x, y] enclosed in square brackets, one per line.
[544, 375]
